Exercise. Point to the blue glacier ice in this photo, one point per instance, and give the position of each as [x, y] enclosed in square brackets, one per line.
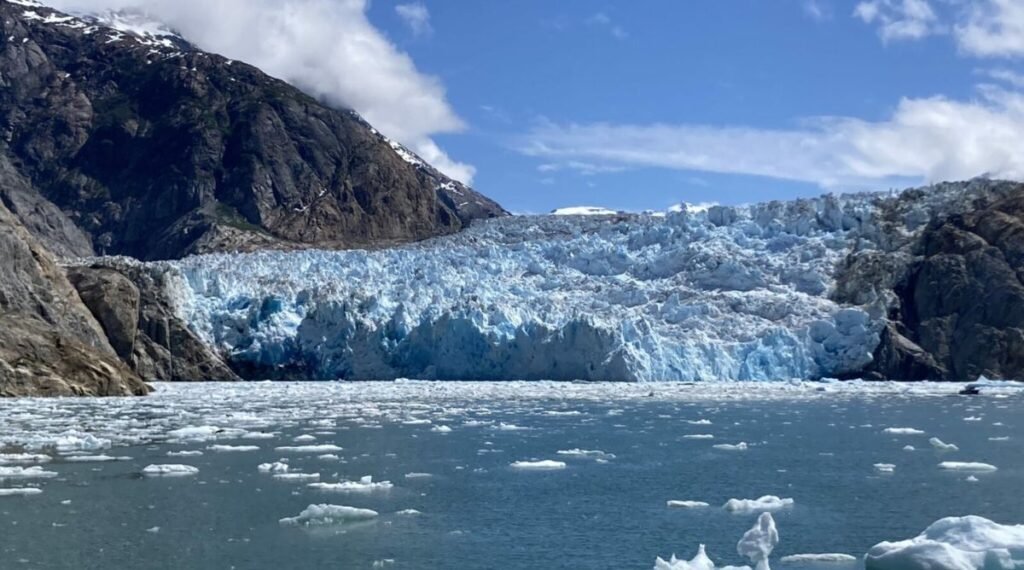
[730, 293]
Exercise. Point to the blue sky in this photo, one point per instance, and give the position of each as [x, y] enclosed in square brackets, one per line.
[641, 105]
[511, 68]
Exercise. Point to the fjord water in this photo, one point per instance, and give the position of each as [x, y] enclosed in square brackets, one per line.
[814, 443]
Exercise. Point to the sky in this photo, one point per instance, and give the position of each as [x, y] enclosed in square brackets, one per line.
[635, 106]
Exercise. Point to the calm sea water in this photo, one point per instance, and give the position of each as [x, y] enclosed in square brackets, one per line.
[476, 511]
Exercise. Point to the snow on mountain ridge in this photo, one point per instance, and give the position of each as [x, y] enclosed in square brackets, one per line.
[733, 293]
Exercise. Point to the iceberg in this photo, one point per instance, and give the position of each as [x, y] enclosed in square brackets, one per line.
[324, 514]
[765, 503]
[756, 545]
[169, 470]
[961, 543]
[545, 465]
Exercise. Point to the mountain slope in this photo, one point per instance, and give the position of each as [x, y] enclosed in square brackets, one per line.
[142, 145]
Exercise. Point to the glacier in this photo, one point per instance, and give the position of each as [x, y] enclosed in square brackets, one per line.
[723, 293]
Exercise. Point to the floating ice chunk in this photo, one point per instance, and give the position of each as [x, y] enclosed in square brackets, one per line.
[441, 429]
[297, 477]
[903, 431]
[364, 485]
[232, 448]
[257, 435]
[305, 438]
[954, 543]
[829, 558]
[699, 422]
[586, 453]
[942, 446]
[509, 427]
[20, 492]
[759, 542]
[328, 457]
[417, 422]
[966, 466]
[741, 446]
[95, 458]
[909, 448]
[35, 472]
[699, 562]
[324, 514]
[77, 441]
[973, 419]
[971, 479]
[153, 529]
[699, 436]
[23, 458]
[885, 467]
[169, 470]
[275, 467]
[408, 512]
[195, 433]
[185, 453]
[545, 465]
[417, 475]
[322, 448]
[1002, 438]
[687, 504]
[765, 503]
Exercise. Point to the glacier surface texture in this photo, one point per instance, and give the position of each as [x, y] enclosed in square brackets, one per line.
[730, 293]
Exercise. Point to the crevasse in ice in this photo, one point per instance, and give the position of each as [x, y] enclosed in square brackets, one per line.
[731, 293]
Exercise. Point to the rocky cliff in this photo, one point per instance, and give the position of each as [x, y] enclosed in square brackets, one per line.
[115, 143]
[50, 344]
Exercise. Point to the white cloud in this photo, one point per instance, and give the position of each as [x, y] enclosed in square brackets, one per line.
[1007, 76]
[924, 140]
[993, 28]
[900, 19]
[816, 10]
[329, 48]
[416, 16]
[603, 21]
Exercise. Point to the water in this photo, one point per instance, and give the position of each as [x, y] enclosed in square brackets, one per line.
[477, 512]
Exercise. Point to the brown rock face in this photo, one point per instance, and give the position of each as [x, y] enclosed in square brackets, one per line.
[113, 146]
[50, 344]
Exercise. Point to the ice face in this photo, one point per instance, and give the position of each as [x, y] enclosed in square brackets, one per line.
[957, 542]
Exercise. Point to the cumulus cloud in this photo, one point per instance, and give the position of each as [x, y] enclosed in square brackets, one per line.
[899, 19]
[416, 16]
[993, 28]
[328, 48]
[925, 140]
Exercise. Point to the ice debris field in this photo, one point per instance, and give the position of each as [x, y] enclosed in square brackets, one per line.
[265, 462]
[726, 293]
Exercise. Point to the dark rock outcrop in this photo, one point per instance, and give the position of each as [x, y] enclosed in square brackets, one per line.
[50, 344]
[131, 302]
[122, 145]
[954, 297]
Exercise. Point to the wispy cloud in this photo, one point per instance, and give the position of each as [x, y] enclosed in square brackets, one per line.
[603, 21]
[416, 16]
[582, 168]
[900, 19]
[329, 48]
[993, 28]
[924, 140]
[817, 10]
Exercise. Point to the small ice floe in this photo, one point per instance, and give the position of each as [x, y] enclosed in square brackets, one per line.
[909, 448]
[741, 446]
[1002, 438]
[363, 485]
[502, 426]
[545, 465]
[17, 472]
[185, 453]
[687, 504]
[701, 422]
[971, 479]
[765, 503]
[967, 466]
[257, 435]
[756, 545]
[441, 429]
[417, 475]
[940, 445]
[585, 453]
[169, 470]
[297, 477]
[324, 514]
[973, 419]
[275, 467]
[328, 457]
[322, 448]
[95, 458]
[232, 448]
[383, 563]
[963, 543]
[23, 458]
[20, 492]
[305, 438]
[699, 436]
[408, 512]
[197, 434]
[828, 558]
[885, 467]
[417, 422]
[902, 431]
[77, 441]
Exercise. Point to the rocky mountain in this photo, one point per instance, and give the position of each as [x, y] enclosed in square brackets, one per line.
[50, 343]
[120, 142]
